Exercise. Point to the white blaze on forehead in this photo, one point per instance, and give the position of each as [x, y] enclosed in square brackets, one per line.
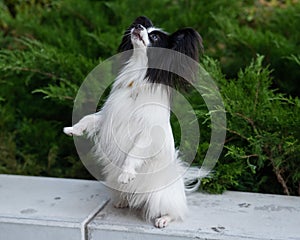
[151, 29]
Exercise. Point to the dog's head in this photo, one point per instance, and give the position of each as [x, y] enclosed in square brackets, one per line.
[142, 34]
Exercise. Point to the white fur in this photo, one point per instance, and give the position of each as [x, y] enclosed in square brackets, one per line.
[135, 145]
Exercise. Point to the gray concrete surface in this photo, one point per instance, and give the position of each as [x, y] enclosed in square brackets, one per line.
[230, 216]
[47, 208]
[37, 208]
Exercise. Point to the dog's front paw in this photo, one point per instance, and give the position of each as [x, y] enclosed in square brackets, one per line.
[126, 177]
[72, 131]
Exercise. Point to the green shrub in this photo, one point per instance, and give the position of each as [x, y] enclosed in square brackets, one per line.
[47, 47]
[262, 150]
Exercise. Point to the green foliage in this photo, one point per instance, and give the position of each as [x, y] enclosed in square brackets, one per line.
[263, 134]
[269, 30]
[47, 47]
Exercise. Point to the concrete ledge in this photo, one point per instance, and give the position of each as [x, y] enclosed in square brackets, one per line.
[40, 208]
[48, 208]
[230, 216]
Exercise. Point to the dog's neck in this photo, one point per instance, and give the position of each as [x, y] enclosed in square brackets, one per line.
[134, 72]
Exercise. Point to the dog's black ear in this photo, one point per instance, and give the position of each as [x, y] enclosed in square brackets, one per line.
[126, 40]
[179, 71]
[187, 41]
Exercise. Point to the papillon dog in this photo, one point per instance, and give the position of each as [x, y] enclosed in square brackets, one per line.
[132, 134]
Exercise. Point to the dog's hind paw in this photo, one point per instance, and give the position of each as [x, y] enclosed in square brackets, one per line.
[121, 203]
[162, 221]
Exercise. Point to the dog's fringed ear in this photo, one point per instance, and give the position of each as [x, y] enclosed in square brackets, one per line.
[179, 71]
[126, 40]
[187, 41]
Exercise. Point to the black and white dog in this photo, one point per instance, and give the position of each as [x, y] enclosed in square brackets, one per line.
[132, 132]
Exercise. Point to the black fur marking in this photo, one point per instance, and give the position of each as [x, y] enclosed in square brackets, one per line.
[158, 39]
[186, 41]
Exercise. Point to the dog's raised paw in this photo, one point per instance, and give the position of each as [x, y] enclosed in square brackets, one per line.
[71, 131]
[68, 131]
[126, 177]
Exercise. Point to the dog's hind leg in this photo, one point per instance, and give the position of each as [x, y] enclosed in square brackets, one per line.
[162, 221]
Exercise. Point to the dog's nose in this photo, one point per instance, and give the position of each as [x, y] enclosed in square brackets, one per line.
[139, 27]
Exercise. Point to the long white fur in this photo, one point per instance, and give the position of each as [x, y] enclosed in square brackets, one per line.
[135, 145]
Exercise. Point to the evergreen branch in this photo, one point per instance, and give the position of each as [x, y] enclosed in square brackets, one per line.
[277, 172]
[249, 156]
[256, 95]
[34, 70]
[238, 134]
[230, 139]
[250, 121]
[50, 94]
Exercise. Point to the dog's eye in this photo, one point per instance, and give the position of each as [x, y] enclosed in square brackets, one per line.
[154, 37]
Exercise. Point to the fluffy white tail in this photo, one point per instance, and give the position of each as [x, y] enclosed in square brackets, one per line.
[193, 176]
